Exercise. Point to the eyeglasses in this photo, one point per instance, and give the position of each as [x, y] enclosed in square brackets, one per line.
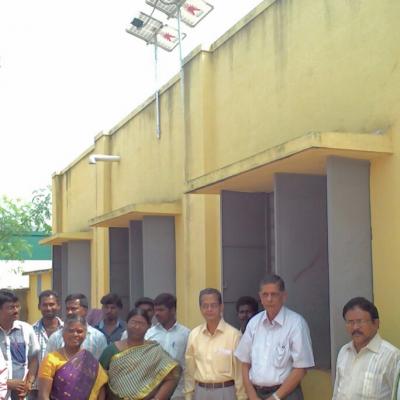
[359, 322]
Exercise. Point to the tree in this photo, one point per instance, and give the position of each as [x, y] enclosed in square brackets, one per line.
[18, 218]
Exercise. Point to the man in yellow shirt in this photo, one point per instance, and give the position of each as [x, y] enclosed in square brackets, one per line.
[212, 371]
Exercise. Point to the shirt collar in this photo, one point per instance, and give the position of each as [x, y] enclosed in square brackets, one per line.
[100, 325]
[16, 325]
[41, 325]
[158, 325]
[373, 345]
[279, 318]
[221, 327]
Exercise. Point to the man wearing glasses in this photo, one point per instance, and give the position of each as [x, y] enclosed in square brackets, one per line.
[212, 372]
[366, 366]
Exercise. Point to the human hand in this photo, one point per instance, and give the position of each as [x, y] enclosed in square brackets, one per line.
[17, 385]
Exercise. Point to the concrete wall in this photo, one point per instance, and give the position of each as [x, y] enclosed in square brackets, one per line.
[302, 253]
[287, 69]
[119, 265]
[136, 260]
[76, 269]
[244, 240]
[297, 67]
[37, 283]
[349, 232]
[159, 269]
[159, 160]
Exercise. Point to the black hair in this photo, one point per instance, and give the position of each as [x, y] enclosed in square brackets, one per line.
[144, 300]
[274, 279]
[247, 300]
[71, 319]
[165, 299]
[48, 293]
[7, 296]
[364, 304]
[212, 291]
[138, 311]
[83, 300]
[111, 298]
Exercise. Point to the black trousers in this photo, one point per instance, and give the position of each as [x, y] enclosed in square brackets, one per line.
[297, 394]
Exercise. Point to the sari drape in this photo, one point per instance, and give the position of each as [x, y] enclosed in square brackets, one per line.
[75, 379]
[135, 373]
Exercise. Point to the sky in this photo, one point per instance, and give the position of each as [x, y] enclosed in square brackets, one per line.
[68, 71]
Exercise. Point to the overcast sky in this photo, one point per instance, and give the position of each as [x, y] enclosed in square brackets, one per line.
[69, 70]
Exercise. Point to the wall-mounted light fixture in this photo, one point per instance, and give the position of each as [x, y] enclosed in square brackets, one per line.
[102, 157]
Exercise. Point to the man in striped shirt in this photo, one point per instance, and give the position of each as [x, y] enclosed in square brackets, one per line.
[366, 366]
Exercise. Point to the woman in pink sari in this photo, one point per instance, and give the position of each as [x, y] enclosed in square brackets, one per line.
[71, 373]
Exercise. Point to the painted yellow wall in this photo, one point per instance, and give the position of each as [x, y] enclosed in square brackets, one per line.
[287, 69]
[146, 160]
[198, 250]
[32, 294]
[385, 220]
[297, 67]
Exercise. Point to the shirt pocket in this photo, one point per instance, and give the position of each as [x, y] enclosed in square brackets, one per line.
[281, 355]
[18, 351]
[223, 361]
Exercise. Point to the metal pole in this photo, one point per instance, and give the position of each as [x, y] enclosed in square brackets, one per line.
[157, 92]
[180, 51]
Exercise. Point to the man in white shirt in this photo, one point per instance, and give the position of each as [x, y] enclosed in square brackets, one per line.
[275, 349]
[366, 366]
[19, 346]
[171, 335]
[95, 341]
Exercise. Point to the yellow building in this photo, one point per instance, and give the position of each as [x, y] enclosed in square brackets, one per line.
[281, 156]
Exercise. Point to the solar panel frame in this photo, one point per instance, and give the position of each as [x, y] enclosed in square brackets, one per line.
[186, 17]
[169, 8]
[151, 26]
[161, 41]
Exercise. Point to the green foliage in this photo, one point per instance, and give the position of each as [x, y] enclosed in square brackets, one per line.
[18, 218]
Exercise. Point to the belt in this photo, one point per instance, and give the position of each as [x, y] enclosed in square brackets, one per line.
[216, 385]
[267, 388]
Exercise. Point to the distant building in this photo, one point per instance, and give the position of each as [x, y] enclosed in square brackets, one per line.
[30, 275]
[282, 155]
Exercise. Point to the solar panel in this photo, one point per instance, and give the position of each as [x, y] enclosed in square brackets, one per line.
[168, 37]
[145, 27]
[151, 29]
[192, 11]
[168, 7]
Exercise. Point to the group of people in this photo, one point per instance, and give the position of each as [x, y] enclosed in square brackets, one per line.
[153, 357]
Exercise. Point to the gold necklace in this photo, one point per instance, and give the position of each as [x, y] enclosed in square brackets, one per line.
[66, 354]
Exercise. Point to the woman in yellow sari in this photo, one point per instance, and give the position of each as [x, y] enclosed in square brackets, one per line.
[139, 369]
[71, 373]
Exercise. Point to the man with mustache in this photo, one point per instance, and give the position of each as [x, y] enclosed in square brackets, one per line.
[49, 307]
[19, 346]
[275, 349]
[365, 366]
